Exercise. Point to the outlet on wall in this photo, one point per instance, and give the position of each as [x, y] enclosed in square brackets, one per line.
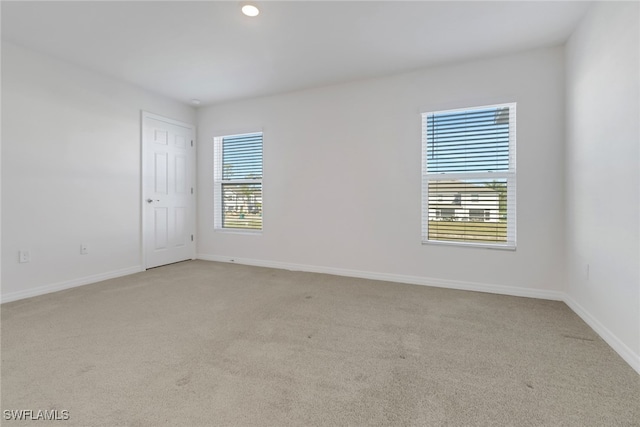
[24, 256]
[84, 249]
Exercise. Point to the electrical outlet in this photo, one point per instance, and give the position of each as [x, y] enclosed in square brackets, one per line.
[84, 249]
[24, 256]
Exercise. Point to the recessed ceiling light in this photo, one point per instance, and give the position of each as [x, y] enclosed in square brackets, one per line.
[250, 10]
[195, 101]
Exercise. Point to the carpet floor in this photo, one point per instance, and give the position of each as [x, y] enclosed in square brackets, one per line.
[211, 344]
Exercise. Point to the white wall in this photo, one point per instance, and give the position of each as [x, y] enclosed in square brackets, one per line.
[70, 172]
[342, 176]
[603, 184]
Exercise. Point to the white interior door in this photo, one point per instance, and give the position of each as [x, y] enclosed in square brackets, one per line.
[168, 161]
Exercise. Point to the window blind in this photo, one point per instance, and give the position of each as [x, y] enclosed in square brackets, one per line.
[475, 140]
[469, 176]
[242, 156]
[238, 181]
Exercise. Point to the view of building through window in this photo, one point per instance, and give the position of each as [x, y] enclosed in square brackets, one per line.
[469, 176]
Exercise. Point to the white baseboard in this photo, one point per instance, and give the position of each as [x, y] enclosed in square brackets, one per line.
[54, 287]
[414, 280]
[614, 342]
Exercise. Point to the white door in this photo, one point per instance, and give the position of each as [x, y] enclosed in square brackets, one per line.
[167, 188]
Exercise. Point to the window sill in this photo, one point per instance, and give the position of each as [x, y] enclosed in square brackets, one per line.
[469, 245]
[238, 231]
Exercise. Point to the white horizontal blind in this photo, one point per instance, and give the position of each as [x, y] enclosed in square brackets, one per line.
[469, 176]
[238, 181]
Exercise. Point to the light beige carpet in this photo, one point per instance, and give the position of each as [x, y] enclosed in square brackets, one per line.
[204, 344]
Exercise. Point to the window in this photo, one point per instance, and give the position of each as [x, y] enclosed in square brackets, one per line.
[476, 214]
[238, 182]
[446, 214]
[469, 176]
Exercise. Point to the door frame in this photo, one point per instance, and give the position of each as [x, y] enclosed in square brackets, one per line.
[144, 116]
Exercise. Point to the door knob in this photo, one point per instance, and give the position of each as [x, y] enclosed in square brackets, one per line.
[149, 200]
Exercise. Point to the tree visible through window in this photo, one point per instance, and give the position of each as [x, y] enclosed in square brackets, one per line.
[469, 176]
[238, 181]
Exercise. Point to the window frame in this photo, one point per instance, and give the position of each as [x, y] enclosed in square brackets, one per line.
[219, 182]
[509, 176]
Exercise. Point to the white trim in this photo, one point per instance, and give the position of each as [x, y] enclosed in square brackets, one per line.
[400, 278]
[68, 284]
[153, 116]
[614, 342]
[230, 230]
[217, 183]
[497, 246]
[424, 110]
[236, 131]
[461, 176]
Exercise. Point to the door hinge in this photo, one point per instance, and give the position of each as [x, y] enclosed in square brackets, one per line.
[192, 237]
[192, 142]
[191, 190]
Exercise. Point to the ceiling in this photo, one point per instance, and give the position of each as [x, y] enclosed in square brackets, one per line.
[208, 50]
